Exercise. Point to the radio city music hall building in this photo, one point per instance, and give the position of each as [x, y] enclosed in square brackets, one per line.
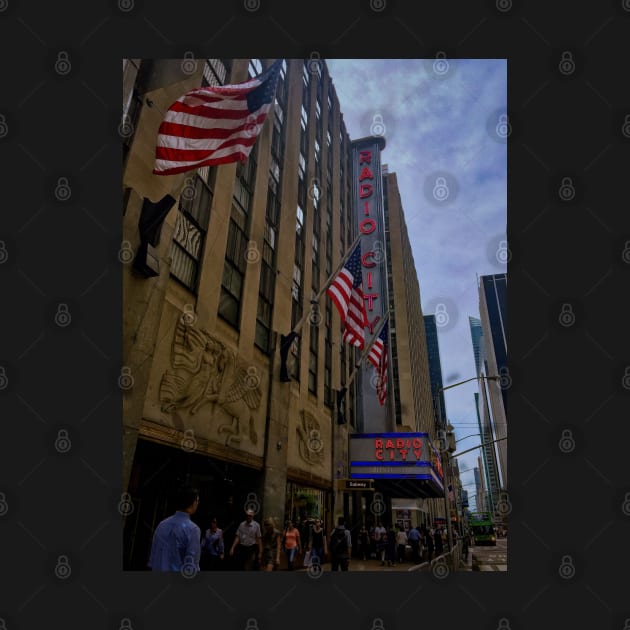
[222, 264]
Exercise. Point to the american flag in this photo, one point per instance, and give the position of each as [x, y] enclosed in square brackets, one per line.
[378, 347]
[214, 125]
[381, 382]
[378, 358]
[347, 293]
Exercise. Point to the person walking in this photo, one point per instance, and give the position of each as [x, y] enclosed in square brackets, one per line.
[390, 553]
[438, 541]
[401, 541]
[247, 543]
[413, 538]
[340, 545]
[291, 543]
[176, 543]
[271, 542]
[364, 543]
[428, 537]
[465, 545]
[318, 545]
[212, 548]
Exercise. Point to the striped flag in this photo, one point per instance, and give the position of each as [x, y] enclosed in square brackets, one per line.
[214, 125]
[379, 347]
[378, 358]
[381, 383]
[347, 294]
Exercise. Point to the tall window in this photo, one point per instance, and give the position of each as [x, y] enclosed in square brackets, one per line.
[312, 359]
[235, 264]
[297, 288]
[328, 397]
[132, 102]
[191, 226]
[268, 266]
[192, 219]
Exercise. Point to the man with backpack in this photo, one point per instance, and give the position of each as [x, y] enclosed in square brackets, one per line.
[340, 546]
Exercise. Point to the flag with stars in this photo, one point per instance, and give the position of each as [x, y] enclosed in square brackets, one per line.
[346, 292]
[215, 124]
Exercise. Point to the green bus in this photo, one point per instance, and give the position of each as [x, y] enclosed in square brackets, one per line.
[482, 529]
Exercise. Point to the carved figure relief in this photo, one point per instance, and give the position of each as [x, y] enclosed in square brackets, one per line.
[310, 444]
[206, 372]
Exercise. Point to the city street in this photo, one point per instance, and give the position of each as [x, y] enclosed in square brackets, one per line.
[487, 558]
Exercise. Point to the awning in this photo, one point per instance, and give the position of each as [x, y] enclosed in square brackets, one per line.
[417, 505]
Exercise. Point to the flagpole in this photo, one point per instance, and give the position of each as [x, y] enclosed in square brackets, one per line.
[366, 351]
[316, 299]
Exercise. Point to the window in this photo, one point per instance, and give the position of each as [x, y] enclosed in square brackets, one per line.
[302, 166]
[235, 264]
[234, 267]
[190, 230]
[254, 68]
[328, 395]
[214, 72]
[312, 360]
[303, 119]
[268, 266]
[194, 204]
[305, 76]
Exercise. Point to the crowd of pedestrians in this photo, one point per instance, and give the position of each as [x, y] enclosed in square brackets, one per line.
[179, 544]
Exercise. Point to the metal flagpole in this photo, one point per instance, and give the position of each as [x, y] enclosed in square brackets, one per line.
[316, 299]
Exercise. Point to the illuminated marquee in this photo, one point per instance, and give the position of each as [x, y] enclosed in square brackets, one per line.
[395, 456]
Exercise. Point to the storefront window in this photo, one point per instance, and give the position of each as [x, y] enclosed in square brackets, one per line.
[304, 503]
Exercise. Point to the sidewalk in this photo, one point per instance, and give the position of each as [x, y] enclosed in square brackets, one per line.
[373, 565]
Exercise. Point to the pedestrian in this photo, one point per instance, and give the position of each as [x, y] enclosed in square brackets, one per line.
[414, 540]
[428, 536]
[176, 544]
[291, 543]
[247, 542]
[438, 541]
[364, 543]
[318, 545]
[212, 547]
[465, 545]
[379, 532]
[340, 545]
[401, 541]
[390, 553]
[271, 542]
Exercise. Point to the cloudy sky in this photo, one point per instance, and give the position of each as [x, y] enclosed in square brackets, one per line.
[444, 124]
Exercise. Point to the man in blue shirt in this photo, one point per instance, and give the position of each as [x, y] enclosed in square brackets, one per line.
[414, 540]
[177, 540]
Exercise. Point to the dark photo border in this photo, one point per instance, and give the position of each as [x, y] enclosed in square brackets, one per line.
[60, 356]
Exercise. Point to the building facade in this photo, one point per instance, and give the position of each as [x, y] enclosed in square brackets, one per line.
[493, 314]
[435, 370]
[240, 383]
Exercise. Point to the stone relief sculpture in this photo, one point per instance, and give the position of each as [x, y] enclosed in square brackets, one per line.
[206, 372]
[310, 445]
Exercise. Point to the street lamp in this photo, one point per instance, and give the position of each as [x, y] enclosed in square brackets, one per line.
[449, 447]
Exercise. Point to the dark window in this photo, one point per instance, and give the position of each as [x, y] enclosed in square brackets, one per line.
[236, 251]
[190, 228]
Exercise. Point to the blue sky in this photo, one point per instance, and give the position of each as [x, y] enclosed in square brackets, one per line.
[444, 125]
